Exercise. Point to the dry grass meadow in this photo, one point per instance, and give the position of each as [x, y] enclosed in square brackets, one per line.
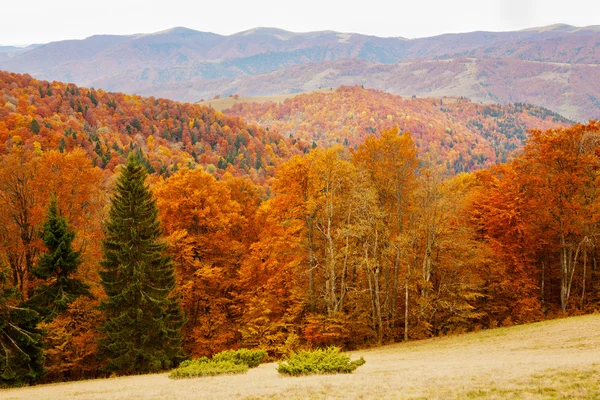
[557, 359]
[228, 102]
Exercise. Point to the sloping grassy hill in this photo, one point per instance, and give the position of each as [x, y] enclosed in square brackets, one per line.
[552, 359]
[228, 102]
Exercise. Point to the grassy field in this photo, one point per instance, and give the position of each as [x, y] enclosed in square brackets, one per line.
[227, 102]
[557, 359]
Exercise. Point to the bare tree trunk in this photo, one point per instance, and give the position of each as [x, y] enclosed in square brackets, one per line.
[371, 295]
[400, 229]
[388, 287]
[584, 272]
[564, 266]
[312, 265]
[427, 267]
[395, 286]
[568, 264]
[340, 304]
[375, 293]
[543, 285]
[331, 268]
[378, 307]
[330, 284]
[406, 302]
[594, 260]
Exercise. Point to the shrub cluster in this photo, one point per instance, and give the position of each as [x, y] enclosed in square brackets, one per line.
[251, 358]
[321, 361]
[210, 368]
[225, 362]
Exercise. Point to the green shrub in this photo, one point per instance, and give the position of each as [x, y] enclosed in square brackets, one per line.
[322, 361]
[193, 369]
[225, 362]
[201, 360]
[251, 358]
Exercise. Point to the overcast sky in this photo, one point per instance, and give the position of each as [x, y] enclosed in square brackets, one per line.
[41, 21]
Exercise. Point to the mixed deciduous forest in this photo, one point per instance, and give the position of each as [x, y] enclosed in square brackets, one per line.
[108, 126]
[467, 136]
[266, 241]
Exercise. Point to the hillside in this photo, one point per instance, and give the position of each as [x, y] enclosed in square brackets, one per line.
[553, 359]
[555, 67]
[573, 90]
[172, 135]
[222, 103]
[466, 135]
[108, 126]
[321, 246]
[7, 52]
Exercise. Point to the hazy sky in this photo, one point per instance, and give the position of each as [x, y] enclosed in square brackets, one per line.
[40, 21]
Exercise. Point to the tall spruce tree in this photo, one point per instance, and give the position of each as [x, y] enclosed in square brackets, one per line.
[21, 355]
[56, 267]
[143, 320]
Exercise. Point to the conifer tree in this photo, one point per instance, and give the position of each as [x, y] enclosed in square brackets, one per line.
[56, 267]
[21, 356]
[143, 319]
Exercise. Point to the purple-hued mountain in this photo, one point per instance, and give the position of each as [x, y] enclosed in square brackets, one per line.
[557, 67]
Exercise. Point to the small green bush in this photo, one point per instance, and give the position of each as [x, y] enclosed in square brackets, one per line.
[200, 360]
[225, 362]
[322, 361]
[251, 358]
[193, 369]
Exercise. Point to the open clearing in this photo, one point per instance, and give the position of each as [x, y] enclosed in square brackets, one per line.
[552, 359]
[228, 102]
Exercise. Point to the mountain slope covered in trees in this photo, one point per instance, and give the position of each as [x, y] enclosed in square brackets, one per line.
[42, 115]
[45, 115]
[280, 245]
[463, 134]
[569, 89]
[555, 67]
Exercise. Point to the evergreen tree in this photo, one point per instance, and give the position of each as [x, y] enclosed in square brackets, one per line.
[34, 126]
[143, 320]
[62, 145]
[141, 159]
[21, 356]
[56, 267]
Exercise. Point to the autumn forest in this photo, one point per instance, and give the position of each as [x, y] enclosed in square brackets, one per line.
[354, 219]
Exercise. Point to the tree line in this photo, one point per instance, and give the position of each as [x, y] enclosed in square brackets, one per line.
[129, 273]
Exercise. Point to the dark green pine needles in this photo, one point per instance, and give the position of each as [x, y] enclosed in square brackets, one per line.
[21, 356]
[143, 320]
[56, 267]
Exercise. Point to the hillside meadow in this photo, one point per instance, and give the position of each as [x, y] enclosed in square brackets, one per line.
[551, 359]
[223, 103]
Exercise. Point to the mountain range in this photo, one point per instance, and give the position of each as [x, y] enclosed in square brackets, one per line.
[557, 67]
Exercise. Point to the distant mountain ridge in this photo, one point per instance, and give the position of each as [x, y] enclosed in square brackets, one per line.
[186, 65]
